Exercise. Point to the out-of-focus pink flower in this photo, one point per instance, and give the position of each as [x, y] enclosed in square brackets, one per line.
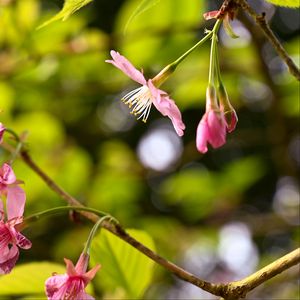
[10, 237]
[72, 284]
[142, 98]
[9, 186]
[212, 127]
[2, 129]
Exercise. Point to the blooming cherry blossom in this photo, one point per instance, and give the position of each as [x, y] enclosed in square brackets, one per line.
[142, 98]
[72, 284]
[10, 237]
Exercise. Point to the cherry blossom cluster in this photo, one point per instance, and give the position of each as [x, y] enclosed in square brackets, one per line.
[219, 118]
[12, 203]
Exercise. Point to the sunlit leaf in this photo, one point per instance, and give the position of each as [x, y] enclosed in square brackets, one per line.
[70, 6]
[122, 265]
[288, 3]
[28, 279]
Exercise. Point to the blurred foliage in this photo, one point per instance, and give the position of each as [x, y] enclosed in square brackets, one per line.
[56, 87]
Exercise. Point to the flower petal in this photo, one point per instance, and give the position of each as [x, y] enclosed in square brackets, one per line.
[167, 107]
[216, 129]
[71, 271]
[8, 261]
[53, 284]
[7, 175]
[2, 129]
[88, 276]
[126, 67]
[22, 241]
[15, 202]
[202, 135]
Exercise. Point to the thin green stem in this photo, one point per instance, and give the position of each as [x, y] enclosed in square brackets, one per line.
[93, 232]
[213, 52]
[10, 131]
[208, 35]
[52, 211]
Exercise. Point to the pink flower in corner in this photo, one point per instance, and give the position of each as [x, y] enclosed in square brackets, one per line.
[2, 129]
[9, 185]
[10, 237]
[72, 284]
[212, 127]
[143, 97]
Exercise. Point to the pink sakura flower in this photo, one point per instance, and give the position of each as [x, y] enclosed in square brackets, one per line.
[10, 237]
[9, 185]
[2, 129]
[142, 98]
[212, 127]
[72, 284]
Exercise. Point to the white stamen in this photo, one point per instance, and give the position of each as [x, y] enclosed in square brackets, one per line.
[140, 99]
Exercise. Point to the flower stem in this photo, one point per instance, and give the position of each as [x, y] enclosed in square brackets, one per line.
[213, 53]
[208, 35]
[53, 211]
[93, 232]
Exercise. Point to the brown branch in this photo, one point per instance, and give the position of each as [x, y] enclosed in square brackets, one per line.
[230, 291]
[242, 287]
[264, 26]
[121, 233]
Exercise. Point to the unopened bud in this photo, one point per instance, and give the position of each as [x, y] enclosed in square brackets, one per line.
[227, 109]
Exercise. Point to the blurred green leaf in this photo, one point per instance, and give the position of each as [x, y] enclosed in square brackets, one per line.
[142, 7]
[288, 3]
[28, 279]
[70, 6]
[122, 265]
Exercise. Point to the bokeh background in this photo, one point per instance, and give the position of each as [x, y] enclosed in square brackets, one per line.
[221, 215]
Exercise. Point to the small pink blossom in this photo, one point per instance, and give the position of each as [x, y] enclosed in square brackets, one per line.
[2, 129]
[9, 186]
[10, 237]
[72, 284]
[212, 127]
[143, 97]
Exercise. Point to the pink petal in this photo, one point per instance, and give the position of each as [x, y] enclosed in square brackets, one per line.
[84, 296]
[53, 284]
[8, 262]
[2, 129]
[211, 14]
[202, 135]
[15, 202]
[231, 120]
[7, 175]
[22, 241]
[88, 276]
[216, 129]
[1, 210]
[71, 271]
[167, 107]
[82, 263]
[126, 67]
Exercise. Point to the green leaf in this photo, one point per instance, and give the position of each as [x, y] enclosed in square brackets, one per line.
[287, 3]
[123, 267]
[70, 6]
[28, 279]
[142, 7]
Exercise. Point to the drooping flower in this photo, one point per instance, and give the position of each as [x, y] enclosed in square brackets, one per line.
[10, 237]
[72, 284]
[9, 185]
[2, 129]
[142, 98]
[212, 127]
